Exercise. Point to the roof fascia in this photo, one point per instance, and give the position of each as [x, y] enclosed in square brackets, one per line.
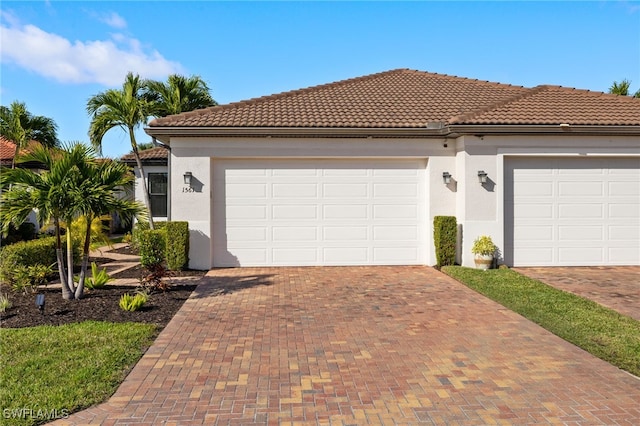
[165, 133]
[464, 129]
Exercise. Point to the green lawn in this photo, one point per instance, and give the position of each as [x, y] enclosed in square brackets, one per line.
[600, 331]
[48, 371]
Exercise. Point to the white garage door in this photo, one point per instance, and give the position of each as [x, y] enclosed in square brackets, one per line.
[572, 211]
[319, 212]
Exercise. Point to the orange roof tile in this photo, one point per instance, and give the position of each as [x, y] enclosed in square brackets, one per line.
[7, 151]
[405, 98]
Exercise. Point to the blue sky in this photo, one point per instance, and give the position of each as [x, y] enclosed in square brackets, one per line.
[55, 55]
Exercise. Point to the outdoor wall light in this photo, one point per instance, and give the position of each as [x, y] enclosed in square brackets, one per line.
[187, 178]
[446, 178]
[482, 176]
[40, 302]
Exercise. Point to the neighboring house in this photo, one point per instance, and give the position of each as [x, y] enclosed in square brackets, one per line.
[7, 152]
[351, 173]
[155, 165]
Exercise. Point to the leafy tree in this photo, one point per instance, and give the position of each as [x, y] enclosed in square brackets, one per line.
[49, 193]
[73, 183]
[126, 108]
[178, 94]
[95, 197]
[18, 125]
[622, 89]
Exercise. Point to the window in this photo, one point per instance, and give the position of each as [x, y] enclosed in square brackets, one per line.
[158, 194]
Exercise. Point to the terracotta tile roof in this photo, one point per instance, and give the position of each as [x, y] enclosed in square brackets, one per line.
[157, 154]
[394, 99]
[554, 105]
[405, 98]
[7, 150]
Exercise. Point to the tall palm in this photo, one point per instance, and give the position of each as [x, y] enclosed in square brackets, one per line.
[99, 181]
[126, 108]
[50, 193]
[178, 94]
[18, 125]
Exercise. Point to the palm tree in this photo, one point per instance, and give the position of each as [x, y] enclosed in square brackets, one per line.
[99, 180]
[178, 94]
[126, 108]
[49, 193]
[622, 89]
[73, 183]
[18, 125]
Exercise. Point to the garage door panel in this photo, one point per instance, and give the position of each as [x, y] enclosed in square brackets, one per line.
[535, 210]
[581, 255]
[624, 211]
[294, 233]
[297, 256]
[294, 211]
[395, 233]
[580, 233]
[580, 211]
[580, 189]
[345, 211]
[625, 255]
[319, 212]
[345, 233]
[395, 254]
[533, 233]
[247, 234]
[628, 232]
[345, 190]
[572, 211]
[294, 190]
[534, 188]
[348, 255]
[246, 212]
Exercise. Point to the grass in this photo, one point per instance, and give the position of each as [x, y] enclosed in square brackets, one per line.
[600, 331]
[48, 372]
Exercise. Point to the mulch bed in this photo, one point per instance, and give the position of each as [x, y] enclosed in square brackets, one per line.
[98, 305]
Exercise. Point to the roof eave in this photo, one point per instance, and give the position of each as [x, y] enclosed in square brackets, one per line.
[487, 129]
[164, 134]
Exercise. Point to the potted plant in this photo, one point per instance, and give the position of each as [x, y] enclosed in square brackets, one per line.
[484, 249]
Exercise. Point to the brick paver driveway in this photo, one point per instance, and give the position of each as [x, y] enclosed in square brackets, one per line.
[616, 287]
[360, 345]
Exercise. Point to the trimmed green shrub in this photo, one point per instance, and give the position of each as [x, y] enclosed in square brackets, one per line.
[40, 252]
[177, 250]
[144, 226]
[151, 244]
[445, 235]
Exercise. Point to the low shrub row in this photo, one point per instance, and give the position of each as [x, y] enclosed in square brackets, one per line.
[18, 259]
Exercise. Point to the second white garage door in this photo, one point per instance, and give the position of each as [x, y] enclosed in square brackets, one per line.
[572, 211]
[319, 212]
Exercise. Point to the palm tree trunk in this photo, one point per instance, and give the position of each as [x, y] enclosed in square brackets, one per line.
[143, 177]
[85, 259]
[72, 286]
[66, 291]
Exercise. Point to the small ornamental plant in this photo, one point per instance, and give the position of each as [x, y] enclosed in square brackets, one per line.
[133, 303]
[484, 246]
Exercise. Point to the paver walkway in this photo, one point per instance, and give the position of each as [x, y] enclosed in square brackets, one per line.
[616, 287]
[356, 346]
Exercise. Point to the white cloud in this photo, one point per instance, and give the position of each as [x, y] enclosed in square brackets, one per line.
[113, 20]
[94, 61]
